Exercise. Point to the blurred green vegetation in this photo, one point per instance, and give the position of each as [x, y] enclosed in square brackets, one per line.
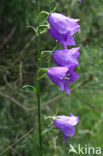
[18, 53]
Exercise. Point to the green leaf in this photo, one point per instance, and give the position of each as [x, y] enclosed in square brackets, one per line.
[32, 28]
[44, 75]
[45, 52]
[47, 130]
[43, 12]
[34, 89]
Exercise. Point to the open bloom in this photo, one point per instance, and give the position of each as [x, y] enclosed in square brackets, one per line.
[64, 57]
[66, 124]
[63, 76]
[62, 28]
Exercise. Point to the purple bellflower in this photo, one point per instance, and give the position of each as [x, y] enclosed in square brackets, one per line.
[65, 57]
[62, 28]
[66, 124]
[63, 76]
[80, 1]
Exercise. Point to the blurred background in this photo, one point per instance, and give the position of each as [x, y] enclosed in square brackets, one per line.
[18, 63]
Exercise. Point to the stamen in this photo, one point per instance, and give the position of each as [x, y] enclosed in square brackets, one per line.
[66, 78]
[68, 74]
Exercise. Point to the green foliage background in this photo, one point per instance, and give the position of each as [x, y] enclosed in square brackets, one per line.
[18, 53]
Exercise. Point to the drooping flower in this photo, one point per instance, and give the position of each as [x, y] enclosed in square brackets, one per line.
[65, 57]
[66, 124]
[62, 28]
[80, 1]
[63, 76]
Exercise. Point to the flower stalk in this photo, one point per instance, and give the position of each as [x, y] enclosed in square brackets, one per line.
[38, 81]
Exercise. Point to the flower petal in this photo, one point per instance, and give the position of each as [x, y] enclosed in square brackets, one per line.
[56, 74]
[64, 57]
[73, 120]
[66, 124]
[69, 130]
[65, 137]
[63, 24]
[63, 39]
[66, 88]
[62, 28]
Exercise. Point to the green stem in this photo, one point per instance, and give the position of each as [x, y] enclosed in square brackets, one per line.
[38, 82]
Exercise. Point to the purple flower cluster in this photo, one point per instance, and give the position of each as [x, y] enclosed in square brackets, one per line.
[62, 29]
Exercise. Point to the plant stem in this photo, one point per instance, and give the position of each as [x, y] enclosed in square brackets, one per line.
[38, 82]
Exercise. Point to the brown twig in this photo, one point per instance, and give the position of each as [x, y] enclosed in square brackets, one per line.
[13, 100]
[18, 154]
[96, 125]
[8, 37]
[88, 78]
[44, 104]
[10, 147]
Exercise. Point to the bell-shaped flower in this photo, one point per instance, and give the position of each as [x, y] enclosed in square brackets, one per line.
[63, 76]
[65, 57]
[62, 28]
[66, 124]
